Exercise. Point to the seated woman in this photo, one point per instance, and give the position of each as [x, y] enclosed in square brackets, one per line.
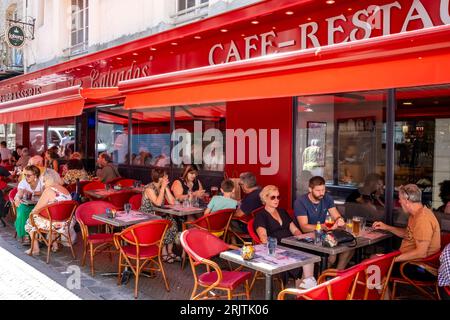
[154, 194]
[53, 192]
[188, 183]
[31, 185]
[276, 222]
[51, 160]
[75, 171]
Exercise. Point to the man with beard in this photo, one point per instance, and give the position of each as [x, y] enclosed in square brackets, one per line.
[313, 207]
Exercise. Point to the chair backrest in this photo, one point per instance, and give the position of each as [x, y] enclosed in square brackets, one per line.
[340, 288]
[120, 198]
[200, 244]
[86, 210]
[59, 211]
[215, 222]
[125, 182]
[146, 233]
[95, 185]
[252, 232]
[114, 181]
[372, 283]
[12, 194]
[136, 201]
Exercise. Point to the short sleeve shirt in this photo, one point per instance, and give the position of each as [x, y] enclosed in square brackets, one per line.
[423, 227]
[251, 202]
[273, 228]
[444, 268]
[315, 212]
[221, 203]
[24, 185]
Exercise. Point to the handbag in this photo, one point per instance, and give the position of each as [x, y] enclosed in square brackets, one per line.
[338, 236]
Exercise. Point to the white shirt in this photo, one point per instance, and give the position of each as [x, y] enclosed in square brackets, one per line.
[5, 153]
[24, 185]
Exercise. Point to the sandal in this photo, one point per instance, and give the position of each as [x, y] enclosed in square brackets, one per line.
[168, 259]
[175, 257]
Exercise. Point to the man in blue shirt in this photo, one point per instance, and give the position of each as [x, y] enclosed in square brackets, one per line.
[251, 201]
[313, 207]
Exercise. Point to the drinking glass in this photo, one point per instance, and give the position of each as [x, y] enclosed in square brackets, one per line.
[329, 223]
[108, 212]
[356, 226]
[214, 191]
[349, 225]
[272, 246]
[127, 207]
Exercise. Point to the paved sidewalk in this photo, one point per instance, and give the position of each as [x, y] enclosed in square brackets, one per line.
[20, 281]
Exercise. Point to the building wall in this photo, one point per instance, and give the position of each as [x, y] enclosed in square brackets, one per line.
[111, 22]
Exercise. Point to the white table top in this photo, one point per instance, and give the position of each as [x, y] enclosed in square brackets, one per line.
[123, 220]
[179, 210]
[285, 259]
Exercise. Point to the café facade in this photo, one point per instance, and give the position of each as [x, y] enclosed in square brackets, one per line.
[348, 90]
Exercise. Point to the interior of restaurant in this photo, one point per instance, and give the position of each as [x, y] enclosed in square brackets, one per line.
[343, 137]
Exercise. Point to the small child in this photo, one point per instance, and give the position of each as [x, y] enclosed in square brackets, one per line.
[223, 202]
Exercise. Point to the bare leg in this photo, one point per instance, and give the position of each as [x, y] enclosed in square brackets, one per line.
[344, 259]
[308, 271]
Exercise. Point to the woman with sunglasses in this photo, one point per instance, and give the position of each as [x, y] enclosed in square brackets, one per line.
[275, 222]
[29, 186]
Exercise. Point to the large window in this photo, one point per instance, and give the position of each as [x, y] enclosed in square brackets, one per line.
[150, 142]
[339, 137]
[422, 146]
[202, 127]
[37, 143]
[61, 133]
[80, 26]
[112, 134]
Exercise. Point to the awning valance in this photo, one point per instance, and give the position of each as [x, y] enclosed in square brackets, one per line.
[67, 102]
[408, 59]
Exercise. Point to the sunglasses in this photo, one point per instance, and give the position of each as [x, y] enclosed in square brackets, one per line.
[274, 197]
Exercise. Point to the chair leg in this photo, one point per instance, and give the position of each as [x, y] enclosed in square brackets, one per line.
[85, 249]
[136, 279]
[229, 295]
[119, 274]
[247, 290]
[254, 280]
[70, 244]
[3, 222]
[394, 290]
[92, 258]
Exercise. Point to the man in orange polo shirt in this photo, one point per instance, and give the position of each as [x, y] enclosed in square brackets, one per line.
[421, 237]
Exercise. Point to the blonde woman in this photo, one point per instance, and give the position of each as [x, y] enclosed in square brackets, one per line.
[275, 222]
[53, 192]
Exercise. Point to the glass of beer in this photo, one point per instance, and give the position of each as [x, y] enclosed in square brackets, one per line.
[349, 225]
[214, 191]
[357, 221]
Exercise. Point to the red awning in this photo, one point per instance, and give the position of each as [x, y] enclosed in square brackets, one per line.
[67, 102]
[408, 59]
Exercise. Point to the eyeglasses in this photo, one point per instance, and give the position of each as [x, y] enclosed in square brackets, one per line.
[274, 197]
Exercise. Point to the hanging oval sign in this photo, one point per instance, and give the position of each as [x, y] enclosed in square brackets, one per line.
[15, 36]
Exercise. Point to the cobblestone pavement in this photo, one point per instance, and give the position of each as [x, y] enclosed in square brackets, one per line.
[62, 266]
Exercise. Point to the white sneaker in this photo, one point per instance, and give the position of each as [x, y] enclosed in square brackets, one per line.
[308, 283]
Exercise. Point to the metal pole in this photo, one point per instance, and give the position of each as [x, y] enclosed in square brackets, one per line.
[390, 155]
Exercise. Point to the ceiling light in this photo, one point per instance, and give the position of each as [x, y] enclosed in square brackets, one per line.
[223, 30]
[153, 49]
[174, 43]
[135, 54]
[197, 37]
[289, 13]
[255, 22]
[330, 2]
[407, 103]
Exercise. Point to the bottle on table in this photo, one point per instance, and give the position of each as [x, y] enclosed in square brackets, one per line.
[318, 233]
